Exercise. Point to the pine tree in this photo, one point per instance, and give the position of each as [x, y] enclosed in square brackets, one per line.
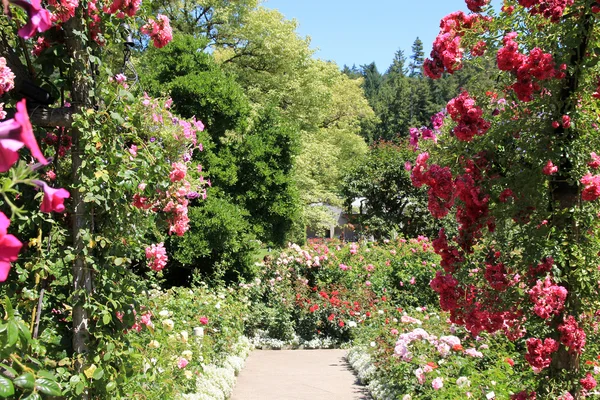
[417, 58]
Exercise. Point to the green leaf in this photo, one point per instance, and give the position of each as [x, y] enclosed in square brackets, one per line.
[119, 261]
[106, 319]
[13, 333]
[6, 387]
[98, 374]
[27, 381]
[10, 313]
[33, 396]
[112, 385]
[47, 386]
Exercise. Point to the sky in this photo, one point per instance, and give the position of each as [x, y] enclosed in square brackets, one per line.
[360, 32]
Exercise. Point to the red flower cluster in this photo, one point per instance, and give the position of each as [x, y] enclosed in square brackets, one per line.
[64, 143]
[537, 64]
[123, 7]
[447, 54]
[592, 187]
[463, 110]
[588, 382]
[571, 335]
[550, 9]
[495, 274]
[451, 256]
[524, 395]
[476, 5]
[505, 195]
[544, 267]
[447, 287]
[64, 10]
[549, 168]
[548, 298]
[539, 353]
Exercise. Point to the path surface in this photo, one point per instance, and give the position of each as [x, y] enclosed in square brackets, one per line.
[298, 375]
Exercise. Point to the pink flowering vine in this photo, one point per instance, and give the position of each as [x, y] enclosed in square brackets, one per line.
[159, 31]
[156, 254]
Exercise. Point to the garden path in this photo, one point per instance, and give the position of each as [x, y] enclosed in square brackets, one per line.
[298, 375]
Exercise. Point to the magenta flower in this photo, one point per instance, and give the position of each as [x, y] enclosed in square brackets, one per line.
[39, 18]
[53, 198]
[14, 134]
[204, 320]
[9, 248]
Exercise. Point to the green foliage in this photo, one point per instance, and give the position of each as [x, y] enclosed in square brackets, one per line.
[219, 245]
[392, 202]
[197, 85]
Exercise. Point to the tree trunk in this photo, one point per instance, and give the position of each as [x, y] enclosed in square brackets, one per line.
[565, 196]
[82, 276]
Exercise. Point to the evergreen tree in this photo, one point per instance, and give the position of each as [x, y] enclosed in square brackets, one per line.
[373, 80]
[417, 58]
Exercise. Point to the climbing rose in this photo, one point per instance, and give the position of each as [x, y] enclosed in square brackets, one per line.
[550, 9]
[539, 353]
[476, 5]
[588, 382]
[156, 254]
[595, 163]
[129, 7]
[549, 168]
[64, 10]
[204, 320]
[437, 383]
[592, 187]
[463, 110]
[178, 171]
[160, 32]
[39, 19]
[9, 247]
[571, 335]
[53, 198]
[548, 298]
[7, 78]
[14, 134]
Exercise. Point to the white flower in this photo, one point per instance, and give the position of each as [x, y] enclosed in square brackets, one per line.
[490, 395]
[187, 354]
[198, 331]
[407, 397]
[184, 336]
[188, 374]
[463, 381]
[373, 344]
[351, 324]
[154, 344]
[218, 306]
[164, 313]
[168, 325]
[380, 312]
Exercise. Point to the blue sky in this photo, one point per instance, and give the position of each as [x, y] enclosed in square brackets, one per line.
[360, 32]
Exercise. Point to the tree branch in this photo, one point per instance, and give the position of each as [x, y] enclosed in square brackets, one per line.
[47, 117]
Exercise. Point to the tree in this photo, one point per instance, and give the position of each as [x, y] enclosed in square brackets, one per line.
[515, 171]
[392, 202]
[417, 57]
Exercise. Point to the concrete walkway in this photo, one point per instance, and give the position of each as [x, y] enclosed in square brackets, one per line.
[298, 375]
